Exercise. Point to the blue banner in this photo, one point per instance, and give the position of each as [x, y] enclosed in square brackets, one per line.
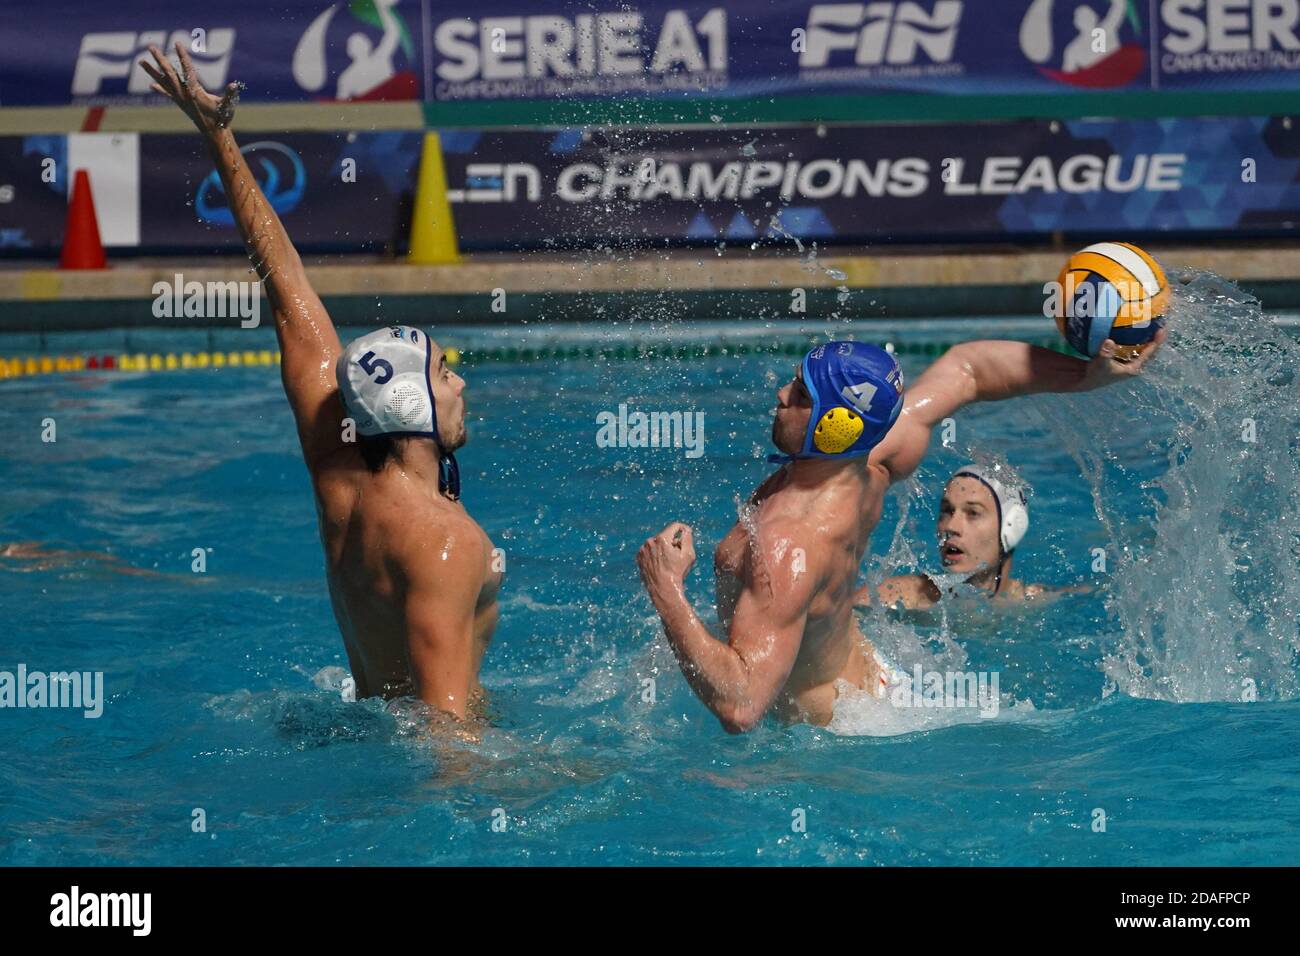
[1228, 45]
[335, 192]
[855, 184]
[508, 51]
[639, 188]
[302, 50]
[444, 50]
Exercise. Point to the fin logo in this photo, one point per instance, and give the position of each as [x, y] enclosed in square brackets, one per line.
[371, 73]
[893, 34]
[1101, 52]
[283, 179]
[113, 56]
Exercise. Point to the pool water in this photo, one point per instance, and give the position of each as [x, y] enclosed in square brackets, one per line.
[1123, 737]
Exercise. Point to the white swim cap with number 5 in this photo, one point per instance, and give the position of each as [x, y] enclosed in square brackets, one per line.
[384, 380]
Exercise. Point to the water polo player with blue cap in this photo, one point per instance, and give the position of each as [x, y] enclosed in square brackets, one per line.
[788, 568]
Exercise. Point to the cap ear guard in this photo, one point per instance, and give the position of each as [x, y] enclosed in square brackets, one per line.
[837, 430]
[405, 402]
[1015, 522]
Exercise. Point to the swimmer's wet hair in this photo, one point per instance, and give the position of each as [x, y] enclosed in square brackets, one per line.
[376, 450]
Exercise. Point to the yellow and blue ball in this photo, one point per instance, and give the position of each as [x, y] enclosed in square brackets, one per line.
[1111, 290]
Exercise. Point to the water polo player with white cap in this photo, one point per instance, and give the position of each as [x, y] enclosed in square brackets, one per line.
[412, 560]
[964, 513]
[388, 388]
[413, 579]
[983, 517]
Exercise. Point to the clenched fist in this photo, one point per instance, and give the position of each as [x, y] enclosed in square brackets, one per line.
[666, 558]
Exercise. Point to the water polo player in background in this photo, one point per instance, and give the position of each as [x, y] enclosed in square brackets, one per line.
[983, 517]
[412, 577]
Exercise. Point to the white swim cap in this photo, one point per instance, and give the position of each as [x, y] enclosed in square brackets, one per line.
[1013, 510]
[384, 380]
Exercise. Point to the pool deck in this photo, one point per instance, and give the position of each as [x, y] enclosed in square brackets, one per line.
[581, 286]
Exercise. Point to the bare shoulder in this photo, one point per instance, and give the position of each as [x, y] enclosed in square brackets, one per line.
[902, 448]
[437, 549]
[911, 591]
[1042, 594]
[877, 469]
[782, 534]
[419, 535]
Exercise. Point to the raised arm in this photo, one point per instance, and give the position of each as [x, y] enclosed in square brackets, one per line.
[392, 32]
[990, 370]
[740, 679]
[1114, 16]
[309, 345]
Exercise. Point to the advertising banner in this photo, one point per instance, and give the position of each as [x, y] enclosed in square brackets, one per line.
[839, 184]
[69, 51]
[344, 192]
[591, 188]
[65, 51]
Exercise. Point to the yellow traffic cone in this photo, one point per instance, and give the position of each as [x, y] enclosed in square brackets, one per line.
[433, 233]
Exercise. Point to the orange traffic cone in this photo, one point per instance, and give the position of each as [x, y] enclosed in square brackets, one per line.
[81, 246]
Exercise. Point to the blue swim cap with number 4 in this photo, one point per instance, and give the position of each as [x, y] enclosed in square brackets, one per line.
[857, 393]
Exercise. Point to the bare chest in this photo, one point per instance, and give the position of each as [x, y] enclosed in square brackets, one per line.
[729, 570]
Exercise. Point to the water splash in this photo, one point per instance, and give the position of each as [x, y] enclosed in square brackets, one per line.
[1203, 519]
[810, 261]
[860, 714]
[337, 680]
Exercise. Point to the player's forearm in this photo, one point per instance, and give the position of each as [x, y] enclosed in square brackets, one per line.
[715, 672]
[272, 253]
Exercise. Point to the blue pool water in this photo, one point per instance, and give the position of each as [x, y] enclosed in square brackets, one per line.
[1124, 701]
